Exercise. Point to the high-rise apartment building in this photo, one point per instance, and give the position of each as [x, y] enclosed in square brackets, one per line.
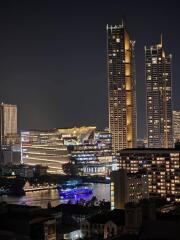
[121, 87]
[176, 125]
[158, 71]
[162, 167]
[127, 187]
[8, 121]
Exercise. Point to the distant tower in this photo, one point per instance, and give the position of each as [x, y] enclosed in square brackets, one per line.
[158, 70]
[121, 87]
[8, 121]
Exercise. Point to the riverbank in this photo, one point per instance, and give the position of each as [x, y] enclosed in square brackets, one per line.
[43, 197]
[17, 185]
[32, 189]
[84, 179]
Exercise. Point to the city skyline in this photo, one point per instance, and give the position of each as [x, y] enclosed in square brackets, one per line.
[89, 119]
[39, 72]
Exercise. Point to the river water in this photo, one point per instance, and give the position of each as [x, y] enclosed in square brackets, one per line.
[41, 198]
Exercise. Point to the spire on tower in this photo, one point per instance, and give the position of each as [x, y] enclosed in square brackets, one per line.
[161, 40]
[122, 23]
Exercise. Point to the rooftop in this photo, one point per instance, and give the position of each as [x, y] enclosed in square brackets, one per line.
[154, 150]
[117, 216]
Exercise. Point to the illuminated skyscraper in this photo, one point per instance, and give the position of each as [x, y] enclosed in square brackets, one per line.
[158, 69]
[121, 87]
[176, 125]
[8, 121]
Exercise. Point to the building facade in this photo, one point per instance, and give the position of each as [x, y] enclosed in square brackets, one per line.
[158, 74]
[44, 148]
[176, 125]
[127, 187]
[104, 225]
[121, 87]
[87, 149]
[162, 167]
[94, 155]
[8, 122]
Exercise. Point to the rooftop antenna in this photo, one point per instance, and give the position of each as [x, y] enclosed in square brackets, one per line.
[161, 40]
[122, 23]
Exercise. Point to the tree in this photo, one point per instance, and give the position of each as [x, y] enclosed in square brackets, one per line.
[71, 169]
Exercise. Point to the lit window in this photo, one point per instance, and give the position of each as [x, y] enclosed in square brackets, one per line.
[154, 60]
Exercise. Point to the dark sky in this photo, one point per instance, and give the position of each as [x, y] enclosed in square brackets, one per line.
[53, 57]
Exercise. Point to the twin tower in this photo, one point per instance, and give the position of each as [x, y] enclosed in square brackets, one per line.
[122, 92]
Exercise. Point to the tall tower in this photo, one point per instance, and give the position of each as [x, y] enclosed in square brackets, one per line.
[8, 121]
[158, 74]
[121, 87]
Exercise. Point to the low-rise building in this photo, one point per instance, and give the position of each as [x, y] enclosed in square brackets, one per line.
[44, 148]
[133, 217]
[90, 150]
[104, 225]
[23, 170]
[94, 154]
[27, 222]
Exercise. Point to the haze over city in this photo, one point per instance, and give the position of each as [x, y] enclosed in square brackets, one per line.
[89, 120]
[53, 57]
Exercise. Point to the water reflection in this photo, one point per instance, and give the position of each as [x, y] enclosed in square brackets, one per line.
[41, 198]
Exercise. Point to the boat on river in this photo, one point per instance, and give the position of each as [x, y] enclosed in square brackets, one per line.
[74, 188]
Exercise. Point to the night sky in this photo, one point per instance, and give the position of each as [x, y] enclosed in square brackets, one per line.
[53, 57]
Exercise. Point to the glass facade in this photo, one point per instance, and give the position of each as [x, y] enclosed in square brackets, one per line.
[84, 146]
[44, 148]
[95, 154]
